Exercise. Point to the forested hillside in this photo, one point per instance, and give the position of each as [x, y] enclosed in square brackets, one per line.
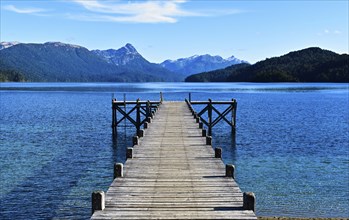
[308, 65]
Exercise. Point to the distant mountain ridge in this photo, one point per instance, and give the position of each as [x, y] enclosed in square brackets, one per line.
[60, 62]
[308, 65]
[121, 56]
[4, 45]
[199, 63]
[54, 62]
[129, 58]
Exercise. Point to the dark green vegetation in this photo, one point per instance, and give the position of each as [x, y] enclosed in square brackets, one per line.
[11, 76]
[58, 62]
[308, 65]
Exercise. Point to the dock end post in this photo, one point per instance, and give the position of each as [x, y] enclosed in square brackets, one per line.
[118, 170]
[249, 201]
[98, 201]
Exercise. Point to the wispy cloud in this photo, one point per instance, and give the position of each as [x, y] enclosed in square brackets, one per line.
[146, 11]
[329, 32]
[23, 10]
[161, 11]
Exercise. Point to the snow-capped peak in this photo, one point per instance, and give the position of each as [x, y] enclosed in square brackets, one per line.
[4, 45]
[60, 44]
[128, 49]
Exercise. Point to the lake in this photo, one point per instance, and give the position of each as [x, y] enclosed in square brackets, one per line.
[291, 146]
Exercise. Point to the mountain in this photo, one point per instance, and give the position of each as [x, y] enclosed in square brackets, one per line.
[60, 62]
[4, 45]
[198, 64]
[308, 65]
[128, 58]
[120, 57]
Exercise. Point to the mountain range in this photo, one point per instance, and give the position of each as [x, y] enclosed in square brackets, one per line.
[198, 64]
[308, 65]
[61, 62]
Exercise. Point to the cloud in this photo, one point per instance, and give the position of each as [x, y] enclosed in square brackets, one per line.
[135, 12]
[146, 11]
[23, 10]
[329, 32]
[151, 11]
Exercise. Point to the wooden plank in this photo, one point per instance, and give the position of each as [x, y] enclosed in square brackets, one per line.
[173, 175]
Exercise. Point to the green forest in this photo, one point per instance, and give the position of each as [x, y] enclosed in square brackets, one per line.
[308, 65]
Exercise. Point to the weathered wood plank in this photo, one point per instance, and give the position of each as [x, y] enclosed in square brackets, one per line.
[173, 175]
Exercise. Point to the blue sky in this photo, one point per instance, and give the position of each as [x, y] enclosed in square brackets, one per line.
[171, 29]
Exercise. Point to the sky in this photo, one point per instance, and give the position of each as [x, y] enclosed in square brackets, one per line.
[172, 29]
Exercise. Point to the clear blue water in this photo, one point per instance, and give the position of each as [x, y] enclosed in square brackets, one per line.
[291, 146]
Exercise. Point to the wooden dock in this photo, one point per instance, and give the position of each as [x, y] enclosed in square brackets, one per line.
[173, 174]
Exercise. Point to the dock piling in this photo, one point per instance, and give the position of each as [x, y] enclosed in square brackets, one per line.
[208, 140]
[135, 140]
[118, 170]
[249, 201]
[98, 201]
[201, 125]
[129, 153]
[218, 152]
[230, 170]
[203, 133]
[140, 133]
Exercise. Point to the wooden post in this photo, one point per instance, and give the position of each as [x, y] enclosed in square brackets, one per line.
[218, 152]
[198, 119]
[208, 140]
[138, 116]
[135, 140]
[189, 97]
[203, 133]
[114, 116]
[148, 109]
[129, 153]
[201, 125]
[209, 111]
[145, 125]
[149, 120]
[98, 201]
[230, 171]
[249, 201]
[140, 133]
[233, 115]
[161, 97]
[118, 170]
